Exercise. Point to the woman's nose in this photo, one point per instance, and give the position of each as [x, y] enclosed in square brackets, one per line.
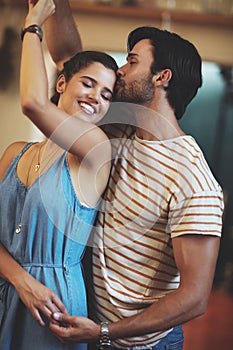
[94, 96]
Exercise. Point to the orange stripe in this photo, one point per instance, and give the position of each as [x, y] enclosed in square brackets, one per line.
[140, 244]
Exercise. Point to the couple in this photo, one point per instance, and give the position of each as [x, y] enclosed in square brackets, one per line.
[158, 229]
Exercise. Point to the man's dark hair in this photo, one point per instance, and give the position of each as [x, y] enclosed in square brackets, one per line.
[180, 56]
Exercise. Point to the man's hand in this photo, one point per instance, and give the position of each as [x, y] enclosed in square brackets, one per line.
[74, 329]
[39, 11]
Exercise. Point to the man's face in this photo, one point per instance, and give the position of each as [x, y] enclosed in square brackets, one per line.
[135, 79]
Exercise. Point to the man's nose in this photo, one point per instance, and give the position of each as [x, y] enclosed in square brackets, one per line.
[120, 72]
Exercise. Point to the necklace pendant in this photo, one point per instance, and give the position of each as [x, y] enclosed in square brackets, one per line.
[37, 167]
[18, 229]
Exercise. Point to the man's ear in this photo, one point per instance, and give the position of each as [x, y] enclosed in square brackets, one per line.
[162, 78]
[61, 84]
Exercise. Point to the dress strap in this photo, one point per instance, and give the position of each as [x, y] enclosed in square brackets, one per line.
[24, 149]
[15, 161]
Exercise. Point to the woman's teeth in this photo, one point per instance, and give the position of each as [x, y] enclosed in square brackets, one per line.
[87, 108]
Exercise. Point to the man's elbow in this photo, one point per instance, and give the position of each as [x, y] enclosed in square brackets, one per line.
[201, 304]
[201, 308]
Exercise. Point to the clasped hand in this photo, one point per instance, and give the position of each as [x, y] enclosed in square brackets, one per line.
[74, 329]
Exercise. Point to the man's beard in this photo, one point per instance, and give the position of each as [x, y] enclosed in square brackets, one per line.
[138, 92]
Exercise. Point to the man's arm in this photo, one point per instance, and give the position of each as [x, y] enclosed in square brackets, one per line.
[62, 36]
[196, 258]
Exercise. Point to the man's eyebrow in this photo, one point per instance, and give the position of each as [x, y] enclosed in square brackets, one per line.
[95, 81]
[131, 54]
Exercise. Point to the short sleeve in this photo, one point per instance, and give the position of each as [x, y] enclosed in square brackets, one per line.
[200, 214]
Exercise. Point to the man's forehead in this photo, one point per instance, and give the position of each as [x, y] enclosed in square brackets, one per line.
[141, 46]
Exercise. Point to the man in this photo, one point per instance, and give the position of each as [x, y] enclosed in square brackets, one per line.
[158, 234]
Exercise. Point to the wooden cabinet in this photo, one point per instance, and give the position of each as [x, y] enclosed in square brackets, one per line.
[152, 13]
[144, 12]
[105, 27]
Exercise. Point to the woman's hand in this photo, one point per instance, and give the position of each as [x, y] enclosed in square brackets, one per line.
[39, 299]
[39, 11]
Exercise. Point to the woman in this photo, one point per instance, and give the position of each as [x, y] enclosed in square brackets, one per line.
[49, 194]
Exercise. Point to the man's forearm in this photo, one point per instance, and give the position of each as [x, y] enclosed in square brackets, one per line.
[172, 310]
[169, 312]
[62, 37]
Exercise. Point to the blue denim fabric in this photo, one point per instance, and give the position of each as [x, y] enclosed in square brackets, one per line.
[55, 226]
[173, 341]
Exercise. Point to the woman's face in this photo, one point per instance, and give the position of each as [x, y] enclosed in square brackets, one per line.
[88, 93]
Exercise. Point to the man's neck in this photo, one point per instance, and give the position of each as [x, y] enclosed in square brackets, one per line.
[158, 135]
[157, 125]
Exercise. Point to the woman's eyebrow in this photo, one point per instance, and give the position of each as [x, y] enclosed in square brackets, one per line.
[90, 78]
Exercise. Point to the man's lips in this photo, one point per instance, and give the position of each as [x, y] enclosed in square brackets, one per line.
[120, 83]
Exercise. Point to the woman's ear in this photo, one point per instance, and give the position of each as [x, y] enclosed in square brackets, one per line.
[61, 84]
[162, 78]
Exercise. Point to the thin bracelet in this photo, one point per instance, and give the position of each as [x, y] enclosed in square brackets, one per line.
[34, 28]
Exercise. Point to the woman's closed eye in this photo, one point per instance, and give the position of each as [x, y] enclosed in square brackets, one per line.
[87, 84]
[106, 96]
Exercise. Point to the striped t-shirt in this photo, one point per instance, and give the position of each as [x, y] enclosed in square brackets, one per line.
[157, 190]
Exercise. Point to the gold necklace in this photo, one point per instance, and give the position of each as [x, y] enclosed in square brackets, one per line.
[38, 164]
[36, 168]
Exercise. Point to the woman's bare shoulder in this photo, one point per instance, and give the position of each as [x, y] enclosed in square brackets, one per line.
[9, 154]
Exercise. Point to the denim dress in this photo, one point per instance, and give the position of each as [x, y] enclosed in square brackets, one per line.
[55, 229]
